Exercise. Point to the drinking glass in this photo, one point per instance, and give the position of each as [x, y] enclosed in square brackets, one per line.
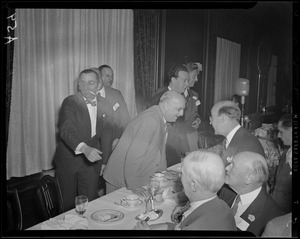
[81, 204]
[153, 188]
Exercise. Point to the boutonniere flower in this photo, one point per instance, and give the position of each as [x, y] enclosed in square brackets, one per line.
[251, 217]
[195, 98]
[229, 159]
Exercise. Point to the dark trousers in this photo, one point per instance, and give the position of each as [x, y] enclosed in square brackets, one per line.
[84, 182]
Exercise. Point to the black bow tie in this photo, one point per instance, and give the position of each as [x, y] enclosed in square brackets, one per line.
[93, 103]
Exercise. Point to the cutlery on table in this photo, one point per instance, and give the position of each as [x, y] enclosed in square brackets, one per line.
[110, 218]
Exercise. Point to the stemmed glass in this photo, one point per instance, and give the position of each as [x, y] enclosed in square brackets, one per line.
[153, 188]
[81, 204]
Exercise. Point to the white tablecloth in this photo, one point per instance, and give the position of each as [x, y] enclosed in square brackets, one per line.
[129, 221]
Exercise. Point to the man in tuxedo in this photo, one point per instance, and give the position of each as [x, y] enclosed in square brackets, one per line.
[85, 139]
[203, 174]
[177, 142]
[245, 192]
[225, 117]
[140, 152]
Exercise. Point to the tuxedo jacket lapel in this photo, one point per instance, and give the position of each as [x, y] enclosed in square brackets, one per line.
[84, 111]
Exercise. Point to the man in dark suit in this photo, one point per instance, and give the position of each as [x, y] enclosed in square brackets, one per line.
[225, 116]
[282, 191]
[177, 142]
[203, 174]
[140, 152]
[120, 114]
[245, 192]
[85, 135]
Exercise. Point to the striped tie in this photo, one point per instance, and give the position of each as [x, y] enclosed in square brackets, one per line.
[235, 205]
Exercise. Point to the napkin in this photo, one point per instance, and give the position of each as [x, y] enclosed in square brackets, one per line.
[70, 220]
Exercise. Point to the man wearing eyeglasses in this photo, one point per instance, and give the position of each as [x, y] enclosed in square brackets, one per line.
[85, 137]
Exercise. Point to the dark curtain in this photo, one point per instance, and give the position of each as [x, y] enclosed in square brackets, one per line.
[146, 43]
[10, 25]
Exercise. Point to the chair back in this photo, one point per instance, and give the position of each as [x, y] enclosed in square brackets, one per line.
[50, 197]
[14, 211]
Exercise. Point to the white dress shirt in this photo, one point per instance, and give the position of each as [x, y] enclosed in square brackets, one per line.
[231, 134]
[246, 200]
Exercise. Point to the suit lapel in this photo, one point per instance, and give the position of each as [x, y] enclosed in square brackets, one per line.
[256, 207]
[84, 111]
[233, 145]
[199, 212]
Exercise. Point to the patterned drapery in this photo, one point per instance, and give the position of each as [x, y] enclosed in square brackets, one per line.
[146, 43]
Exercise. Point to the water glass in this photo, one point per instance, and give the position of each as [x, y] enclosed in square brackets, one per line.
[81, 204]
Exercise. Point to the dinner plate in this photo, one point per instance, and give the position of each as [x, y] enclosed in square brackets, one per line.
[107, 216]
[125, 204]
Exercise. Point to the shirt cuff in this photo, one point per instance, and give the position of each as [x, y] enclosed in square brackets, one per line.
[77, 150]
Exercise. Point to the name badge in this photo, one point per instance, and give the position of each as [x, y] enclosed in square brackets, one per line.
[116, 106]
[243, 225]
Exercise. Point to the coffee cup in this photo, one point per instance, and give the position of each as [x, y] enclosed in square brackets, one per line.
[132, 200]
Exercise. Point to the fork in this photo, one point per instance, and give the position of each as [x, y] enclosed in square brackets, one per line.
[110, 218]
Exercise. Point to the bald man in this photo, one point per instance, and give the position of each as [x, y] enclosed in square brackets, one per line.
[246, 178]
[140, 152]
[225, 117]
[203, 174]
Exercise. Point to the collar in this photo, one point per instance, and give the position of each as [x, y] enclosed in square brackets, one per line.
[231, 134]
[102, 92]
[248, 198]
[169, 88]
[196, 204]
[164, 120]
[186, 93]
[85, 99]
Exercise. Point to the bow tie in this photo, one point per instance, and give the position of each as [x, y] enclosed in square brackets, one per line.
[93, 103]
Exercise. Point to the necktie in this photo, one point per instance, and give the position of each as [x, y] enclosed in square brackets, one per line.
[167, 125]
[93, 103]
[224, 144]
[235, 205]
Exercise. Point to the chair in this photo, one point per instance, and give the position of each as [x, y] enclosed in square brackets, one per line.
[14, 211]
[50, 197]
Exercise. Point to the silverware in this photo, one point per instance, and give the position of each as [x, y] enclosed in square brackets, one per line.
[110, 218]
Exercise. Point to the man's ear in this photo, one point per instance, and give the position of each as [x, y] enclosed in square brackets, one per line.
[173, 79]
[250, 178]
[194, 186]
[224, 117]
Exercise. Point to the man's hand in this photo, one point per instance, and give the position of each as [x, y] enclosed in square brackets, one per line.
[176, 212]
[196, 123]
[92, 154]
[142, 225]
[102, 169]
